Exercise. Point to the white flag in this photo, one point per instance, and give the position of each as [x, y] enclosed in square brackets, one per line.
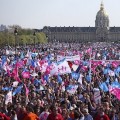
[8, 97]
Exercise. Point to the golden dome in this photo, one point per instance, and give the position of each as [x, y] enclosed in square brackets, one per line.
[102, 13]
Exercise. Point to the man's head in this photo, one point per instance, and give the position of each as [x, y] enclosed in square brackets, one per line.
[101, 111]
[54, 109]
[85, 111]
[29, 109]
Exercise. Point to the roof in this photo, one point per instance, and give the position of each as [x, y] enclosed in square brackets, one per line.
[114, 29]
[77, 29]
[70, 29]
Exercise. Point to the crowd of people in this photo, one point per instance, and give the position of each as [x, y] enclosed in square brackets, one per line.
[60, 81]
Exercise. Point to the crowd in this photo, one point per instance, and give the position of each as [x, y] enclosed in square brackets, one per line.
[60, 81]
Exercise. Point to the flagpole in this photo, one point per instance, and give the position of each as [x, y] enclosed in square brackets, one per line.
[90, 62]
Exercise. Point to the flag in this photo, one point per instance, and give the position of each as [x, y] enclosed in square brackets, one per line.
[26, 74]
[70, 64]
[8, 97]
[26, 90]
[80, 79]
[115, 84]
[4, 59]
[15, 73]
[88, 51]
[7, 88]
[72, 89]
[62, 68]
[22, 55]
[88, 77]
[115, 91]
[78, 69]
[105, 71]
[46, 77]
[17, 90]
[15, 84]
[36, 82]
[33, 63]
[108, 80]
[104, 87]
[111, 73]
[59, 79]
[75, 75]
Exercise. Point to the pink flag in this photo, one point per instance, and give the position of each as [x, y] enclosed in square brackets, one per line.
[43, 81]
[26, 74]
[115, 91]
[48, 70]
[15, 74]
[17, 78]
[20, 64]
[84, 68]
[88, 51]
[26, 90]
[77, 62]
[115, 64]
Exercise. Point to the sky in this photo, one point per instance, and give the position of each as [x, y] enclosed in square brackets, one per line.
[40, 13]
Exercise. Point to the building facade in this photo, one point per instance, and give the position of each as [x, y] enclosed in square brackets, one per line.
[100, 33]
[2, 28]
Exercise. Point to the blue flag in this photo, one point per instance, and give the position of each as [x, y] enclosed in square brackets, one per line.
[104, 87]
[69, 87]
[59, 79]
[108, 80]
[18, 90]
[22, 55]
[78, 69]
[88, 77]
[36, 82]
[61, 61]
[4, 59]
[46, 77]
[115, 84]
[75, 75]
[105, 71]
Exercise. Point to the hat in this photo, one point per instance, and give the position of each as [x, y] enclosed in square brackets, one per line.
[74, 106]
[71, 108]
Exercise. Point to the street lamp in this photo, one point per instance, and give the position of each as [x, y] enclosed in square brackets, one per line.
[15, 33]
[34, 34]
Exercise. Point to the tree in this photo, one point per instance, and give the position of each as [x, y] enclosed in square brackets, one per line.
[25, 36]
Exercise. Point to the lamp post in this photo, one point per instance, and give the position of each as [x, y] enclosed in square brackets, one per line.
[34, 34]
[15, 33]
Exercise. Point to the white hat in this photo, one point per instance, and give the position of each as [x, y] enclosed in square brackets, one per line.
[71, 108]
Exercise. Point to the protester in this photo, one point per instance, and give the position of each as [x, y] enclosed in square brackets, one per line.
[60, 81]
[54, 114]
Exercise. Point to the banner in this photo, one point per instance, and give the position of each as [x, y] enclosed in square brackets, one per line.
[68, 58]
[62, 68]
[9, 52]
[97, 96]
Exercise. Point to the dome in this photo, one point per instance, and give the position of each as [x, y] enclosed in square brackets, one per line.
[102, 19]
[102, 13]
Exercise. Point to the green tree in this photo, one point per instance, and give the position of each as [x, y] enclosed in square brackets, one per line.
[24, 36]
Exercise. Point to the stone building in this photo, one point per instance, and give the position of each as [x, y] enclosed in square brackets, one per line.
[100, 33]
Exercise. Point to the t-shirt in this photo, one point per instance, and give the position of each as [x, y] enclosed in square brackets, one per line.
[4, 117]
[44, 115]
[104, 117]
[31, 116]
[57, 117]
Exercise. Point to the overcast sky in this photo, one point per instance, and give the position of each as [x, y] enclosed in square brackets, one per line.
[39, 13]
